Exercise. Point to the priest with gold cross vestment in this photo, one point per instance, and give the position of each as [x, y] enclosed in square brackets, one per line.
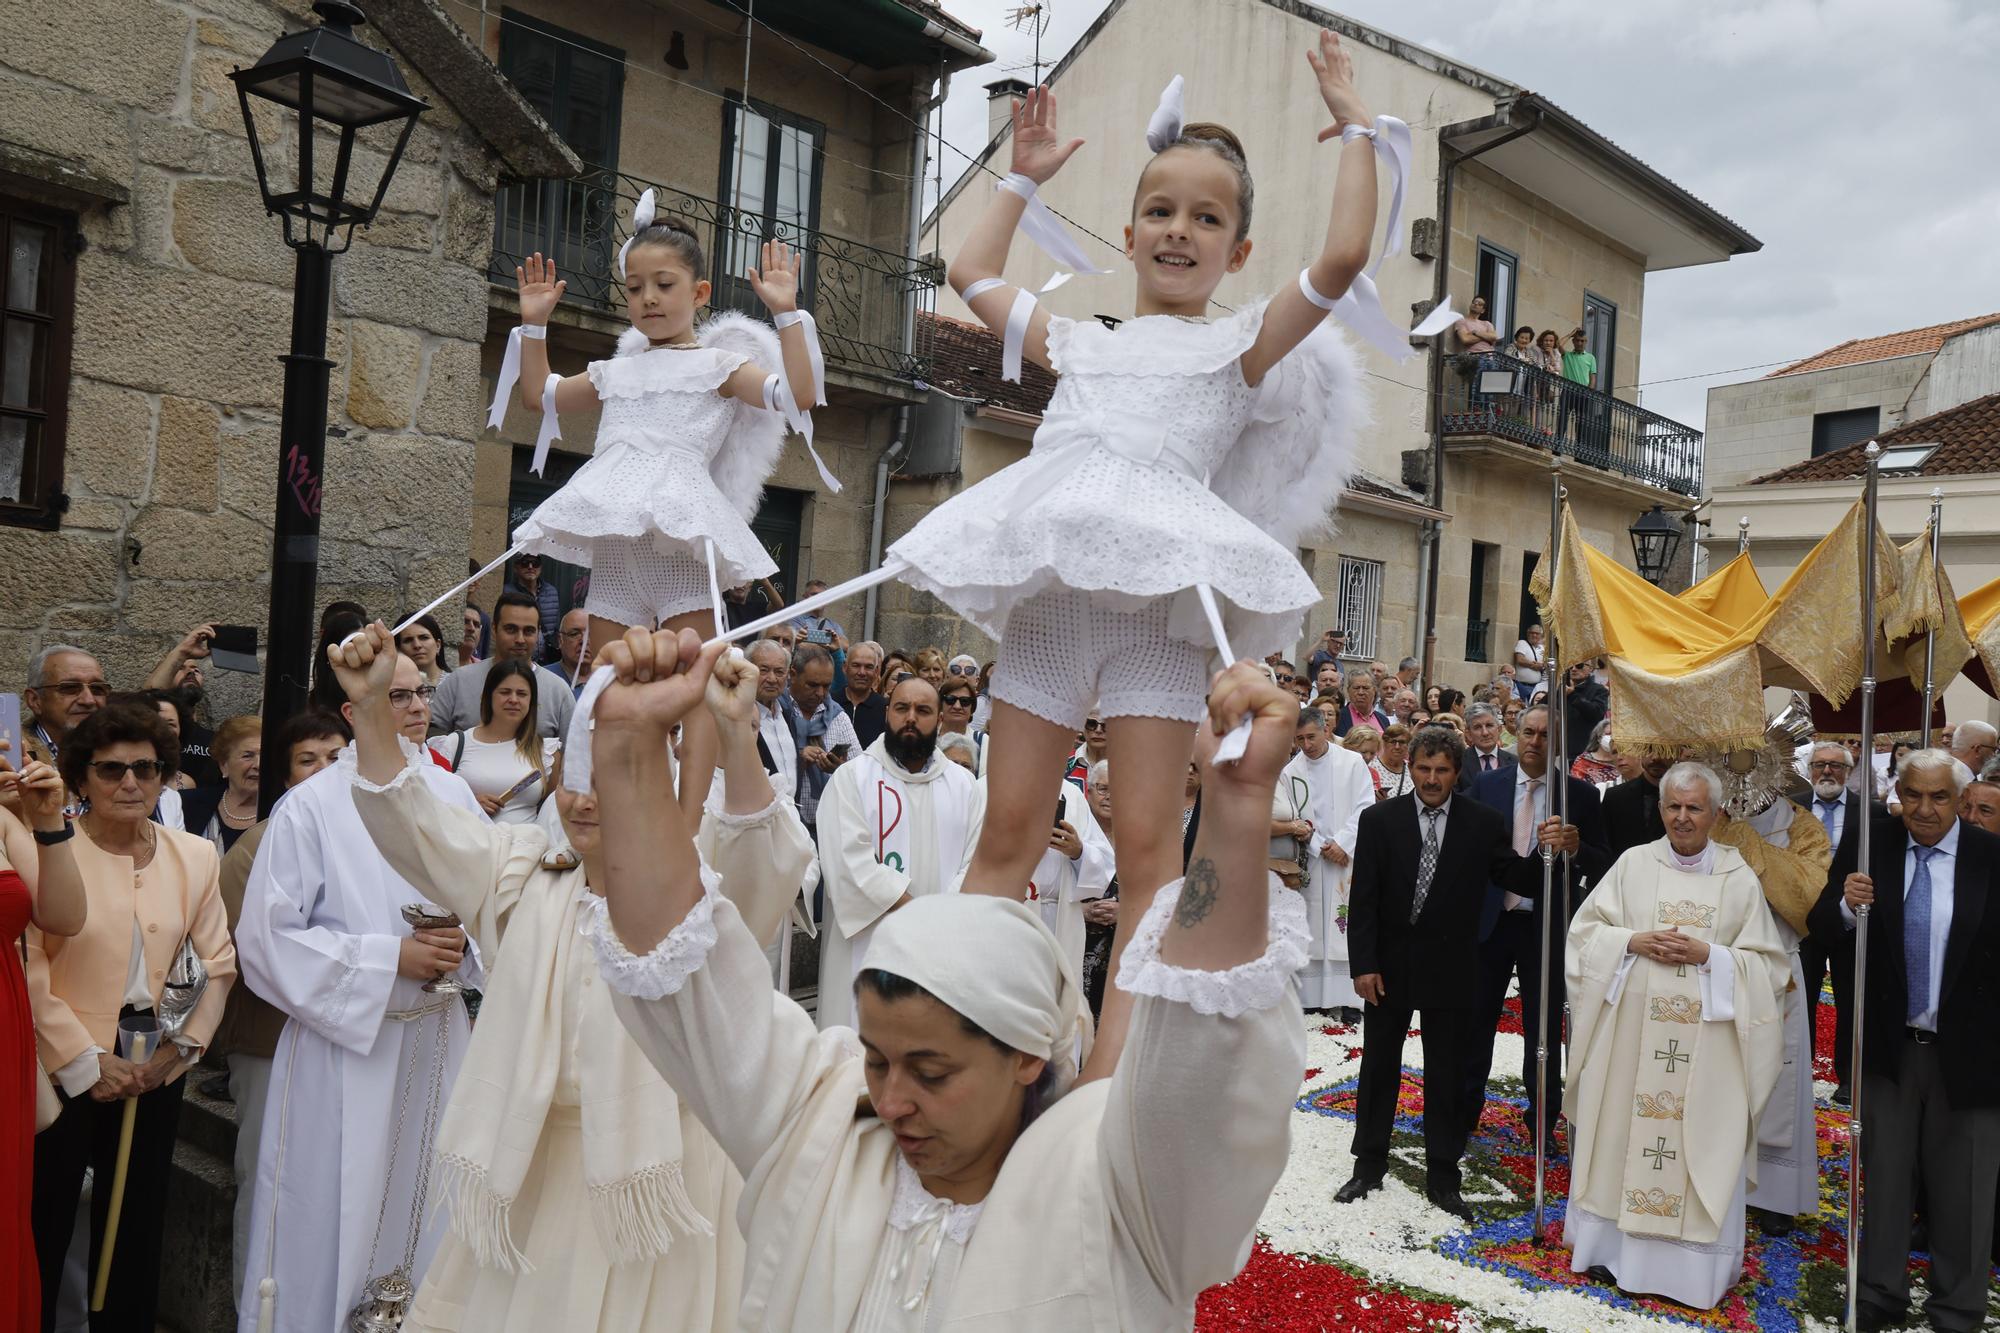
[1676, 972]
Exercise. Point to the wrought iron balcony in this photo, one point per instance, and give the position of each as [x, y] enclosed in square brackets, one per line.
[1478, 640]
[863, 298]
[1497, 396]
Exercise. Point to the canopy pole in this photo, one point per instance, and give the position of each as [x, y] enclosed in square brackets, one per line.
[1555, 698]
[1862, 841]
[1930, 639]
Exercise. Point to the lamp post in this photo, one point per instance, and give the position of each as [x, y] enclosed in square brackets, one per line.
[1656, 538]
[313, 94]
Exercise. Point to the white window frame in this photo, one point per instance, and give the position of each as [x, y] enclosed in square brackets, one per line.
[1358, 604]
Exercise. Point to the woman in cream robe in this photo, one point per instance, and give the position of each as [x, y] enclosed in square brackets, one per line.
[1671, 1062]
[609, 1227]
[1112, 1210]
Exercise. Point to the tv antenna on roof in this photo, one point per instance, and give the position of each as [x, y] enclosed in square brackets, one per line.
[1032, 16]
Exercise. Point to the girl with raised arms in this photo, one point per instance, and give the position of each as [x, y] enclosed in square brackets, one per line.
[1179, 463]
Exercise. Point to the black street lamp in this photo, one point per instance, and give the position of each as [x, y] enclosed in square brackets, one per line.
[323, 87]
[1655, 540]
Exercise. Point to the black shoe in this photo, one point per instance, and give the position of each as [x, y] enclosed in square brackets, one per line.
[217, 1088]
[1774, 1224]
[1870, 1318]
[1843, 1096]
[1359, 1186]
[1599, 1273]
[1347, 1014]
[1448, 1198]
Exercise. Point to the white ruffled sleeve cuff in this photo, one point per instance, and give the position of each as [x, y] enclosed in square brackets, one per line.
[1258, 984]
[666, 969]
[415, 760]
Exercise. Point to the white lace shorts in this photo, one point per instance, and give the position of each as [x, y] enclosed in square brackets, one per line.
[1060, 654]
[635, 583]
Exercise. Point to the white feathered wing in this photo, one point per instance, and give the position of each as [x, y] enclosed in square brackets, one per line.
[1286, 471]
[756, 437]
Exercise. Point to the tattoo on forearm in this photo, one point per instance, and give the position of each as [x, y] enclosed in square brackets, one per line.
[1198, 892]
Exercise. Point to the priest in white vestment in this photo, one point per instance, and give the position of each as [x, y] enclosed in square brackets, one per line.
[935, 1171]
[1328, 786]
[1076, 868]
[897, 823]
[322, 937]
[1789, 852]
[1676, 973]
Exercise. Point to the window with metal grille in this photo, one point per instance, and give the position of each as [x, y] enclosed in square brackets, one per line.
[37, 303]
[1359, 604]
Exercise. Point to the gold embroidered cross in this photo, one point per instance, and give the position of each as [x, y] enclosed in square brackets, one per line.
[1673, 1053]
[1660, 1153]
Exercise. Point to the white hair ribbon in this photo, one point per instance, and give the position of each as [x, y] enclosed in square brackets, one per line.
[1168, 117]
[642, 218]
[551, 427]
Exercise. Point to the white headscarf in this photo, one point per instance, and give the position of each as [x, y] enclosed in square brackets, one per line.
[994, 962]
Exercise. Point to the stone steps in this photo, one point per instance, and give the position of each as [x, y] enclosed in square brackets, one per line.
[196, 1278]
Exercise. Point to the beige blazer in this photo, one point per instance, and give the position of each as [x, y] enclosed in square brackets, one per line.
[77, 985]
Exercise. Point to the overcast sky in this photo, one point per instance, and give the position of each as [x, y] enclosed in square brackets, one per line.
[1847, 135]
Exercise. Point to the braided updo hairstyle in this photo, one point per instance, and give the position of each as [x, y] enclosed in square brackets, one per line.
[1222, 141]
[676, 235]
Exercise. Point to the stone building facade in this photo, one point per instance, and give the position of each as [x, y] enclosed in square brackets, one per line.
[128, 185]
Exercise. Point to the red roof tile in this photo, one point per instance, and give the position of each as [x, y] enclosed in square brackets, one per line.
[965, 361]
[1909, 342]
[1967, 436]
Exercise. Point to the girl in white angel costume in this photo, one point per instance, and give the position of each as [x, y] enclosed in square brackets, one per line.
[692, 424]
[1157, 518]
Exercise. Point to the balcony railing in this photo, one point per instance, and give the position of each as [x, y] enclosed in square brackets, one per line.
[1512, 400]
[860, 296]
[1478, 640]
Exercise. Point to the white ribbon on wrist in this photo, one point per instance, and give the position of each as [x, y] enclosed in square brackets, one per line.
[1040, 225]
[778, 398]
[784, 319]
[551, 428]
[510, 371]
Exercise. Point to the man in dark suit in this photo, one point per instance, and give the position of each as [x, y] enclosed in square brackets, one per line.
[1632, 809]
[1483, 752]
[1932, 1084]
[1839, 812]
[1510, 925]
[1421, 866]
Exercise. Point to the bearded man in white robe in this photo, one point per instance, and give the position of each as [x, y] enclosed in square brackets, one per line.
[1676, 972]
[1327, 787]
[322, 937]
[1789, 852]
[900, 822]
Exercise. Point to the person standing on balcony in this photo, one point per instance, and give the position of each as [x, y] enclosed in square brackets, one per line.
[1522, 349]
[1474, 336]
[1579, 367]
[692, 425]
[1548, 348]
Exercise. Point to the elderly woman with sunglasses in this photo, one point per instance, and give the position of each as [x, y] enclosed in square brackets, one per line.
[957, 699]
[148, 888]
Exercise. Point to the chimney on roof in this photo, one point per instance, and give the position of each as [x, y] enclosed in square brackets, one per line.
[1000, 95]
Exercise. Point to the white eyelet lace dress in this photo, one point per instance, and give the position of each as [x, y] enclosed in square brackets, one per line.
[662, 424]
[1114, 499]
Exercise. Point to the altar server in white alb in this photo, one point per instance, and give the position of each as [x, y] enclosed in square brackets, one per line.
[582, 1194]
[322, 937]
[1329, 786]
[693, 422]
[897, 823]
[1789, 852]
[1675, 975]
[937, 1170]
[1183, 457]
[1076, 868]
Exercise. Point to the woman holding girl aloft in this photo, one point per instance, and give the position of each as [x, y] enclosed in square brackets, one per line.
[692, 425]
[583, 1194]
[1179, 459]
